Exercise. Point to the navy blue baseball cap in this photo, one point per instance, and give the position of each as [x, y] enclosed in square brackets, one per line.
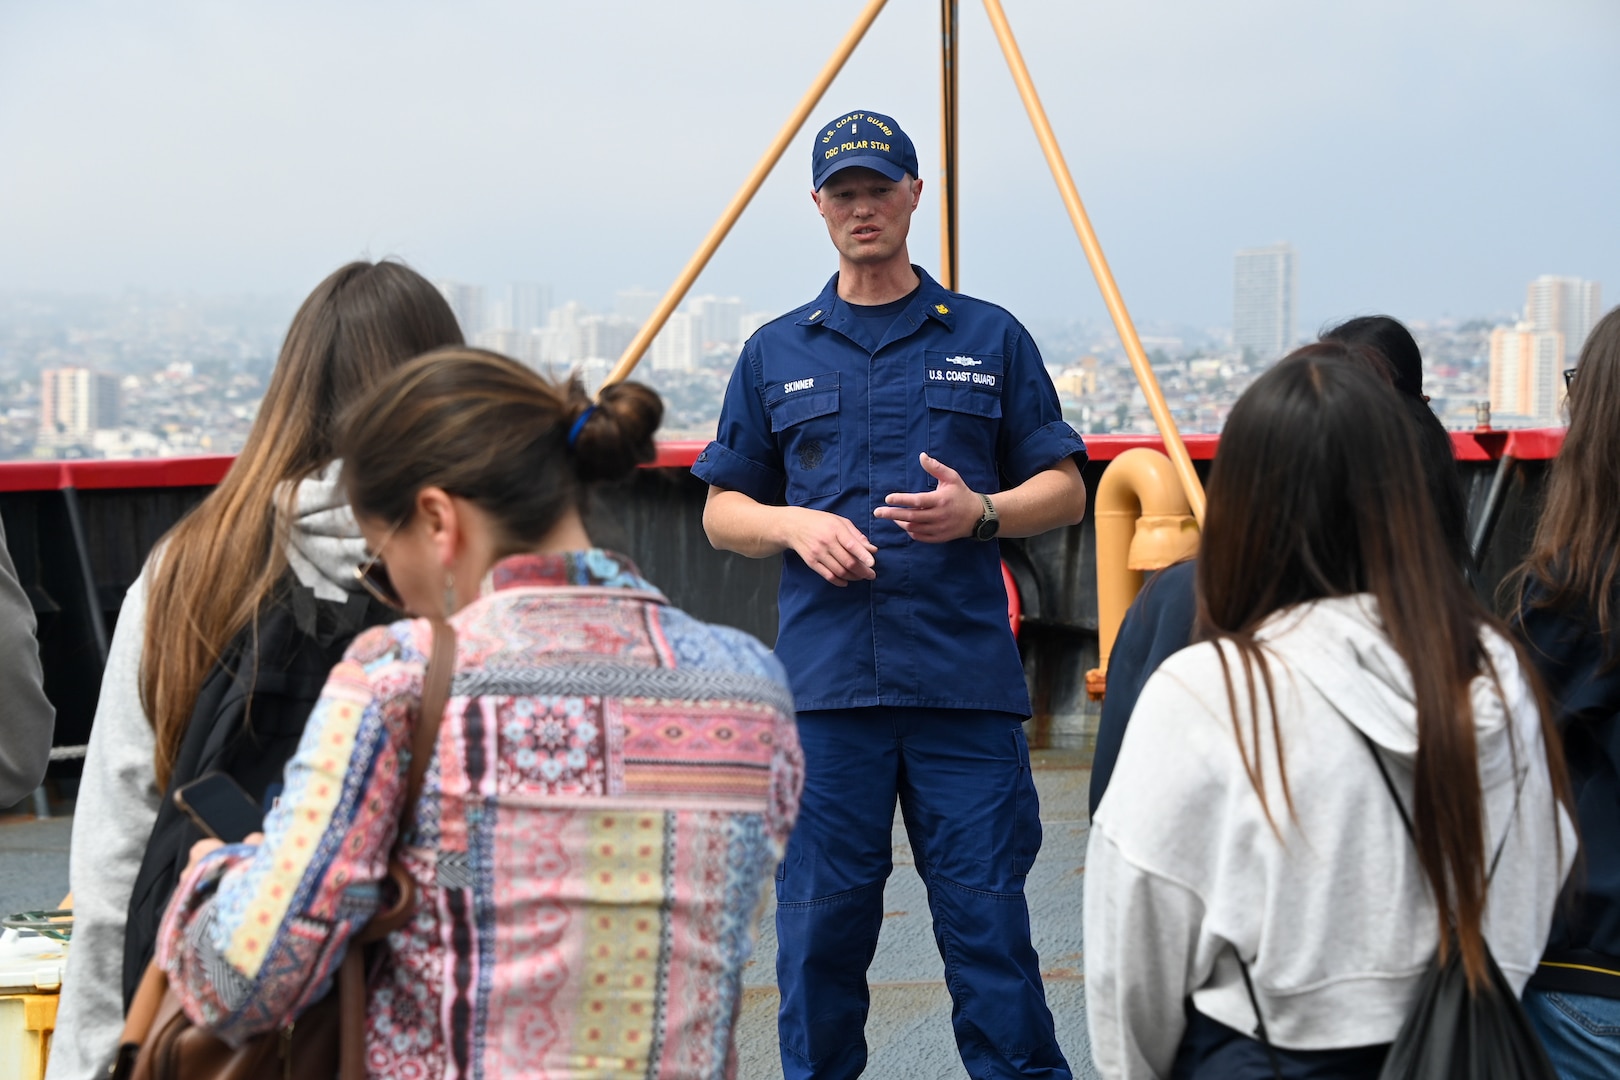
[867, 139]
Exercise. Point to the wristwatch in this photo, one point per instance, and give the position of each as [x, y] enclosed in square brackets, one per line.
[989, 524]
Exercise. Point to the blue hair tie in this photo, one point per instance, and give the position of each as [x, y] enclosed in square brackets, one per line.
[579, 425]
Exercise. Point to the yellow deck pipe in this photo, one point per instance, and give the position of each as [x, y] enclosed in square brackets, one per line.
[739, 202]
[1143, 522]
[1190, 483]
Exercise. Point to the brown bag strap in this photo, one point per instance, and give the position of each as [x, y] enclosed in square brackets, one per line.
[351, 974]
[441, 669]
[143, 1009]
[424, 740]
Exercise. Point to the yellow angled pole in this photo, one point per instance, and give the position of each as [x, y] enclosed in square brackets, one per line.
[666, 306]
[1099, 264]
[948, 128]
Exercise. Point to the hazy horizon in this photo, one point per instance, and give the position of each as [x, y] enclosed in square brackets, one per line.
[1427, 162]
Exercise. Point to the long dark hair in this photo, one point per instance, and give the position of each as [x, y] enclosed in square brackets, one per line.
[1318, 492]
[1394, 342]
[1575, 556]
[221, 562]
[488, 429]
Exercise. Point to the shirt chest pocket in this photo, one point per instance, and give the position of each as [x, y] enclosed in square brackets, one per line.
[804, 417]
[963, 395]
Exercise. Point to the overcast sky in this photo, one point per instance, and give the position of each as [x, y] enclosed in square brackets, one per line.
[1426, 157]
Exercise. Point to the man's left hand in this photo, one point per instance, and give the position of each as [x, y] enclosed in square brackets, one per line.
[949, 512]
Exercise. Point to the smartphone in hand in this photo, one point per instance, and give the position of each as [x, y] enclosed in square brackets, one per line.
[219, 807]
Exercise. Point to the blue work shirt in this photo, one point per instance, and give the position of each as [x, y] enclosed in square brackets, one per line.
[816, 417]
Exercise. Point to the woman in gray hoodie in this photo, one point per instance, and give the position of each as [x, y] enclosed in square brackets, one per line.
[276, 530]
[1247, 822]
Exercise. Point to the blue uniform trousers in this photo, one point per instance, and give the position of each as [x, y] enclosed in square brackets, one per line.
[971, 813]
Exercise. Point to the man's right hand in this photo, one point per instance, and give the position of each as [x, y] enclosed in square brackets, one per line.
[829, 544]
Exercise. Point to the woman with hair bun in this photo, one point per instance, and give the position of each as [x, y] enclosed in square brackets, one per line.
[612, 787]
[222, 640]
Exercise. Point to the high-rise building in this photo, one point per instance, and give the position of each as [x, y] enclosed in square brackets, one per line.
[467, 301]
[677, 346]
[717, 318]
[1264, 300]
[1526, 372]
[75, 402]
[529, 304]
[565, 335]
[749, 321]
[635, 304]
[607, 336]
[1565, 304]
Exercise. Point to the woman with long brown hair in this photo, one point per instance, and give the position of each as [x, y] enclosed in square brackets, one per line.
[1248, 831]
[1569, 618]
[611, 786]
[275, 537]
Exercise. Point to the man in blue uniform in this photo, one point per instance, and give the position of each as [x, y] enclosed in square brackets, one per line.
[881, 437]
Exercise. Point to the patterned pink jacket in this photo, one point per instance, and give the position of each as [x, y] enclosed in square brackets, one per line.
[613, 787]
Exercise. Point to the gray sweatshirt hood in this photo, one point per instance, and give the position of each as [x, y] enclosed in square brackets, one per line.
[1339, 646]
[324, 544]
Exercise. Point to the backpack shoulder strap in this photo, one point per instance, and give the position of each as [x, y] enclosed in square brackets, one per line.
[1406, 820]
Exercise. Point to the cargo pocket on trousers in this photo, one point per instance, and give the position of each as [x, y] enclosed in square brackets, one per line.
[1026, 810]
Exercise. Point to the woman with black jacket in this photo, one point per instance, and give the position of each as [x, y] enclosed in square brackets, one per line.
[1568, 610]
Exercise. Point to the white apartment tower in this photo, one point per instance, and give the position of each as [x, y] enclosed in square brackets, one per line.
[467, 301]
[76, 402]
[1264, 300]
[677, 346]
[1529, 358]
[1565, 304]
[529, 304]
[718, 318]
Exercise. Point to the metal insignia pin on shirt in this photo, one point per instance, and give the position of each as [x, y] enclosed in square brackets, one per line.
[942, 309]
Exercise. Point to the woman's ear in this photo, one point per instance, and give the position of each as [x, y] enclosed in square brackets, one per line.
[438, 513]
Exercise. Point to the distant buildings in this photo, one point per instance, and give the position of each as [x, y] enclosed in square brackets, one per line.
[75, 403]
[467, 301]
[1265, 297]
[1528, 359]
[678, 345]
[1565, 304]
[717, 317]
[1526, 366]
[529, 305]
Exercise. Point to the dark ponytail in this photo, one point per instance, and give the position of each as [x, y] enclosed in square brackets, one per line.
[488, 429]
[617, 435]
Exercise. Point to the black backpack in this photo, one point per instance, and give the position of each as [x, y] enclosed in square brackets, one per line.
[1451, 1033]
[249, 716]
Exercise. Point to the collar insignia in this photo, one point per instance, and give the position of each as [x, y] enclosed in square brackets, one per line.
[942, 309]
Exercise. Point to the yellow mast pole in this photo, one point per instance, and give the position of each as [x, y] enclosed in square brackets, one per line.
[638, 346]
[1099, 264]
[949, 127]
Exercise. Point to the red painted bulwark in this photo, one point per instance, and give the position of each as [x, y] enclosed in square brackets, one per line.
[1529, 444]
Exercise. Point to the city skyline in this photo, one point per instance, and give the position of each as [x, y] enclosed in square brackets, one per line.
[184, 375]
[172, 151]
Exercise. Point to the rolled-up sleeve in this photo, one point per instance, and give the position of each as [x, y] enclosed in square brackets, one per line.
[744, 456]
[1034, 436]
[254, 933]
